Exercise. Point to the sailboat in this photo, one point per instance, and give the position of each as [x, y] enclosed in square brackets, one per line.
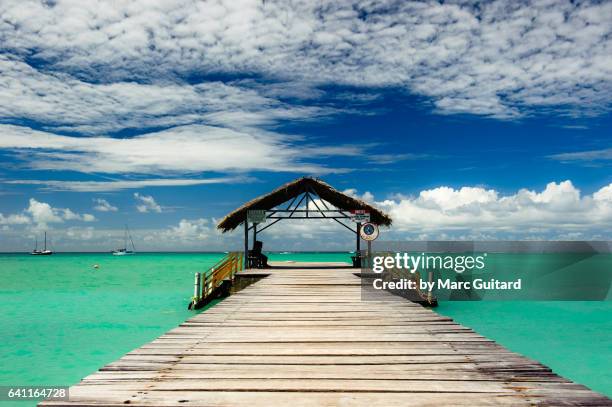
[44, 251]
[124, 250]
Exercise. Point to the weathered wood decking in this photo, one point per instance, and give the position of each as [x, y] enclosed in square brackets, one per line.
[305, 338]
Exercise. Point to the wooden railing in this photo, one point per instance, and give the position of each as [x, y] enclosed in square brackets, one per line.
[208, 284]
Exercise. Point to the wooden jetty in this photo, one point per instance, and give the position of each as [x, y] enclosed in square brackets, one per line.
[304, 337]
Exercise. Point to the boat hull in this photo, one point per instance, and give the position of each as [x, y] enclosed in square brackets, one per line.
[122, 253]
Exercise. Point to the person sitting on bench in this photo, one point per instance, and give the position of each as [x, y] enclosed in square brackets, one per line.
[256, 257]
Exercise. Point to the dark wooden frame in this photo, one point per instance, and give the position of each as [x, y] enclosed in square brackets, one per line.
[328, 212]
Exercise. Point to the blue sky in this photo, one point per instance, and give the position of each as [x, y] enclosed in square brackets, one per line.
[462, 120]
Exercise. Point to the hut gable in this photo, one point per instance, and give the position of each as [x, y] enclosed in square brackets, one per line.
[294, 189]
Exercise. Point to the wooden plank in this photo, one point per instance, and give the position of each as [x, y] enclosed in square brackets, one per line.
[356, 372]
[329, 385]
[86, 397]
[305, 338]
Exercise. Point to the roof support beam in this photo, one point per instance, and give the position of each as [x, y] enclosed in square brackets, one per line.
[298, 205]
[328, 210]
[267, 226]
[346, 226]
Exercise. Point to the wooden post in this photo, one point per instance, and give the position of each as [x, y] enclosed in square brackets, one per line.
[197, 288]
[358, 245]
[246, 244]
[254, 234]
[358, 238]
[369, 255]
[234, 265]
[430, 279]
[209, 285]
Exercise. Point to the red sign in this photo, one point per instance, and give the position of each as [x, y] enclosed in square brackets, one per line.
[360, 215]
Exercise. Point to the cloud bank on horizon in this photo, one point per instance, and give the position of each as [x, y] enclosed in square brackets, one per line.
[183, 93]
[560, 211]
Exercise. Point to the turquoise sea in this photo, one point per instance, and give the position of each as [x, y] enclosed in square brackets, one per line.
[62, 319]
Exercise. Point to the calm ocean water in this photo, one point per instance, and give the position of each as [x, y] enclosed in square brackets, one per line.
[61, 319]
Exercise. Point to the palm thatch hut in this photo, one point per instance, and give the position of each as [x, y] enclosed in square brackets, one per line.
[309, 198]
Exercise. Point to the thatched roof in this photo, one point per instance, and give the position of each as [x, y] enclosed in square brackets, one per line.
[294, 188]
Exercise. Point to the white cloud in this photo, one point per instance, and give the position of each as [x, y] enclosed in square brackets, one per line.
[80, 234]
[449, 198]
[147, 65]
[193, 148]
[117, 185]
[146, 203]
[393, 158]
[604, 195]
[585, 156]
[42, 214]
[67, 214]
[558, 207]
[102, 205]
[499, 58]
[191, 229]
[67, 103]
[14, 219]
[366, 196]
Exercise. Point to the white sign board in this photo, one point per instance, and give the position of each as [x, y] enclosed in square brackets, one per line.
[369, 231]
[256, 216]
[360, 215]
